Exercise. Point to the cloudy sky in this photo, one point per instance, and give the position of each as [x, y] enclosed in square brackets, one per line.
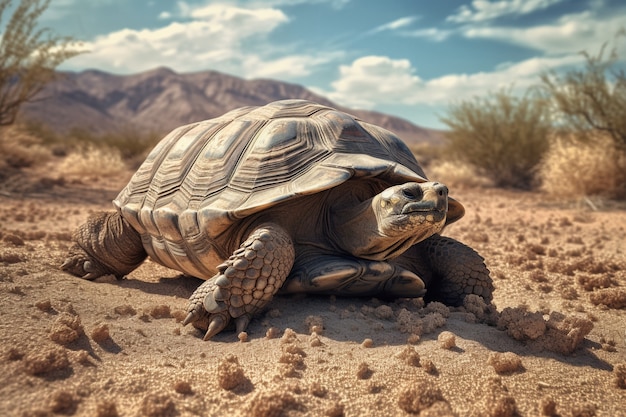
[410, 58]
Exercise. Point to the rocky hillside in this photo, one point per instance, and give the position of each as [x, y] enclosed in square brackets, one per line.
[161, 99]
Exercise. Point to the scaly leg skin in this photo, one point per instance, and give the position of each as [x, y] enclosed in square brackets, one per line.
[245, 283]
[105, 244]
[458, 271]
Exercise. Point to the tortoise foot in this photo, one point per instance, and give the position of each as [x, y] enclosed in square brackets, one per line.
[82, 265]
[245, 284]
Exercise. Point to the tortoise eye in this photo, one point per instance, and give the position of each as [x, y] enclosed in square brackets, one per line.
[411, 193]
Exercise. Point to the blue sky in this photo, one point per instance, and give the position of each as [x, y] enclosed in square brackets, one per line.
[410, 58]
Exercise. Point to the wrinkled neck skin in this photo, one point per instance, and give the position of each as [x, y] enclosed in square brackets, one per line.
[367, 230]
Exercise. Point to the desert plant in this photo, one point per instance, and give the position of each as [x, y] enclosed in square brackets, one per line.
[592, 99]
[501, 135]
[19, 149]
[93, 162]
[28, 56]
[132, 143]
[575, 169]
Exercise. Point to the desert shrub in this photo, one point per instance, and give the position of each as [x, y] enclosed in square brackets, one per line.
[502, 136]
[576, 169]
[132, 143]
[456, 175]
[28, 55]
[427, 153]
[92, 162]
[591, 99]
[19, 149]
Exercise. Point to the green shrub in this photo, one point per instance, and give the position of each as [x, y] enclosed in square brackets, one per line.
[502, 136]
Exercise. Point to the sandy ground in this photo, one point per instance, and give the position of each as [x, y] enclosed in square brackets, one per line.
[555, 346]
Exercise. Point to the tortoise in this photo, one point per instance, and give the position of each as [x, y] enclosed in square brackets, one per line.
[290, 197]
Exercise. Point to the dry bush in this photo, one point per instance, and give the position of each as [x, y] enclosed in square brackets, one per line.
[427, 153]
[575, 169]
[457, 175]
[92, 162]
[502, 136]
[592, 99]
[19, 149]
[132, 143]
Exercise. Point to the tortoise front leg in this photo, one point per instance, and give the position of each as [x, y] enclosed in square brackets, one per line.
[246, 282]
[105, 244]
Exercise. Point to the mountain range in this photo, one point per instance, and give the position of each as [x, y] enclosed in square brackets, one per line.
[161, 99]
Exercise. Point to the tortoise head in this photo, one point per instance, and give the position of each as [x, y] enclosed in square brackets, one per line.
[386, 225]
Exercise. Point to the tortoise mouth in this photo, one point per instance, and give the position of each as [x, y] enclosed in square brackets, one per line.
[423, 207]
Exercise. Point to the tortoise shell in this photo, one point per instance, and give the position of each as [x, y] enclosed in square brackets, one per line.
[204, 178]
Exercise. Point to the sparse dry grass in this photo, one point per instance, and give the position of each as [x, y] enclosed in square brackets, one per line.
[456, 174]
[92, 162]
[574, 169]
[19, 149]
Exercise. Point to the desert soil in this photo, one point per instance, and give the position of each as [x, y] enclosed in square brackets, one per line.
[554, 344]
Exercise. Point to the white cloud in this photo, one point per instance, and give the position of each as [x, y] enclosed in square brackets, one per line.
[227, 38]
[570, 34]
[435, 34]
[395, 24]
[482, 10]
[375, 81]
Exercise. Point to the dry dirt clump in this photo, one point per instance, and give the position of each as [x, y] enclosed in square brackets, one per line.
[410, 356]
[182, 387]
[421, 395]
[157, 405]
[45, 359]
[106, 409]
[447, 340]
[66, 329]
[101, 333]
[64, 402]
[565, 334]
[291, 361]
[160, 311]
[521, 324]
[409, 322]
[274, 403]
[506, 362]
[364, 371]
[560, 333]
[314, 324]
[229, 373]
[496, 401]
[620, 375]
[610, 297]
[547, 406]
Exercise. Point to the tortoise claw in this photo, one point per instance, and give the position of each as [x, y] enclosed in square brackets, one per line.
[191, 317]
[217, 323]
[241, 323]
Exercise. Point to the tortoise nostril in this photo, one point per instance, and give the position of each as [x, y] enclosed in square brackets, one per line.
[442, 190]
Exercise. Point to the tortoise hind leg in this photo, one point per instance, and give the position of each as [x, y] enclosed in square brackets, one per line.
[245, 283]
[105, 244]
